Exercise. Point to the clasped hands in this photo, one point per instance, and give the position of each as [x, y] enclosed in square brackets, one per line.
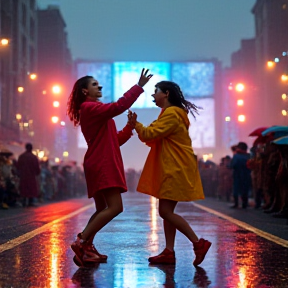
[132, 119]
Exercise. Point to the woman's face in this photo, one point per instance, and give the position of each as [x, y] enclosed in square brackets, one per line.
[94, 89]
[160, 98]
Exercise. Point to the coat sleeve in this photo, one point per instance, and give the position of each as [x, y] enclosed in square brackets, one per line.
[160, 128]
[107, 111]
[124, 135]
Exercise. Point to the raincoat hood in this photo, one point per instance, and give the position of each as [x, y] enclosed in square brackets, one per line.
[182, 114]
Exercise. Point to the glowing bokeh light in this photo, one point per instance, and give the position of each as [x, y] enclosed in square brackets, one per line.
[56, 104]
[270, 64]
[18, 116]
[33, 76]
[240, 102]
[284, 77]
[239, 87]
[56, 89]
[241, 118]
[65, 154]
[55, 119]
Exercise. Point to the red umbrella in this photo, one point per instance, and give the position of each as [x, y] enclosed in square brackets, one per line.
[258, 131]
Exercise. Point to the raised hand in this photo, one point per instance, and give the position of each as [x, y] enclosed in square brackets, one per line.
[144, 78]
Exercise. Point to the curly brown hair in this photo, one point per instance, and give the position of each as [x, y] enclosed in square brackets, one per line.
[176, 97]
[76, 98]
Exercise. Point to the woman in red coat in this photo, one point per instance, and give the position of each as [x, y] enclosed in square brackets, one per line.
[103, 164]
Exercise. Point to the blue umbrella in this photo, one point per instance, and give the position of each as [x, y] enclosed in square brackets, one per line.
[278, 131]
[281, 141]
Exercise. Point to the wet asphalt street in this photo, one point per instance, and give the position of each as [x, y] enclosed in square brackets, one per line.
[249, 248]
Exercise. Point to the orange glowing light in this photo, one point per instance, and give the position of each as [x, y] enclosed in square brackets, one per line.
[4, 42]
[20, 89]
[55, 119]
[56, 104]
[284, 96]
[284, 112]
[56, 89]
[270, 64]
[240, 102]
[241, 118]
[44, 92]
[284, 77]
[18, 116]
[33, 76]
[239, 87]
[227, 119]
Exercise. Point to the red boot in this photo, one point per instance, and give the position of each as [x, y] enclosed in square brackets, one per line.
[83, 252]
[200, 248]
[165, 257]
[92, 248]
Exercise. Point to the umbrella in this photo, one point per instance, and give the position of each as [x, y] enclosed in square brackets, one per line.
[281, 141]
[258, 131]
[260, 140]
[4, 151]
[280, 129]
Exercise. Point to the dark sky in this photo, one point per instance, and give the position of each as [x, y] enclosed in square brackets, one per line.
[155, 30]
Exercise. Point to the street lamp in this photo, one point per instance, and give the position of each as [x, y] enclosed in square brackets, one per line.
[56, 104]
[241, 118]
[54, 119]
[239, 87]
[20, 89]
[33, 76]
[56, 89]
[4, 42]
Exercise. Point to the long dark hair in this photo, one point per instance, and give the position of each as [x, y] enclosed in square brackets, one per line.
[176, 97]
[76, 98]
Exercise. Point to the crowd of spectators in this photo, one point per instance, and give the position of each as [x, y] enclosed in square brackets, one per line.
[263, 170]
[54, 182]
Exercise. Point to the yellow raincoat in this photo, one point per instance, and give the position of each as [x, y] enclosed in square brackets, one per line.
[171, 169]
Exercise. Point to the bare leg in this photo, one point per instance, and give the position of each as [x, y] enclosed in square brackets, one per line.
[114, 207]
[166, 211]
[170, 232]
[100, 204]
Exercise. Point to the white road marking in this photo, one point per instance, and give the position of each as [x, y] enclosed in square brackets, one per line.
[25, 237]
[246, 226]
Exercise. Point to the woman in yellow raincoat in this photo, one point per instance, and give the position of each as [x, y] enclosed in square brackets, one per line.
[171, 171]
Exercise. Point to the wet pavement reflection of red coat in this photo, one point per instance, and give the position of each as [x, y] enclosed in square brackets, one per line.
[103, 165]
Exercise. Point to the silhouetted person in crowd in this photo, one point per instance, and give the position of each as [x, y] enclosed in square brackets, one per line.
[28, 169]
[241, 175]
[282, 183]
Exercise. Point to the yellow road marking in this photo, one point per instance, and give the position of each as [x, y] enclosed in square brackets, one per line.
[25, 237]
[246, 226]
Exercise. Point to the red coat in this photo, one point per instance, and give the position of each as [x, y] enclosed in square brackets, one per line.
[28, 169]
[103, 165]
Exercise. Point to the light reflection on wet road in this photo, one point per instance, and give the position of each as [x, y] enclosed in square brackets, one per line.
[237, 258]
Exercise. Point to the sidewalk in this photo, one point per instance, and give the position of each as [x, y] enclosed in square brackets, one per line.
[251, 216]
